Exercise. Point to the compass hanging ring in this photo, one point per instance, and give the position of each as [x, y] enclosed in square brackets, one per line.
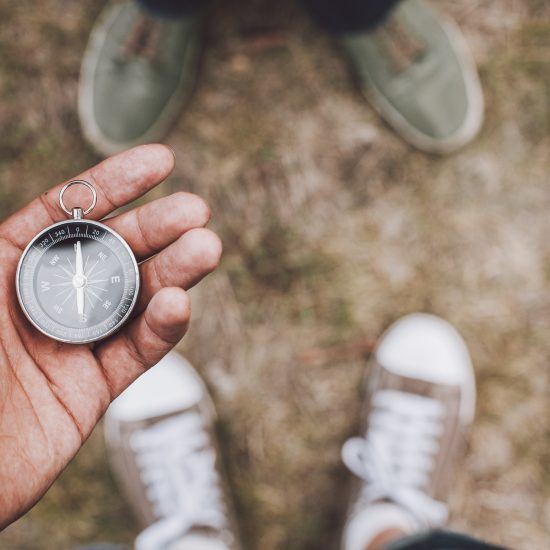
[78, 210]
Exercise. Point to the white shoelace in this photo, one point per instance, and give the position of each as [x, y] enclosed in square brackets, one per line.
[398, 454]
[178, 469]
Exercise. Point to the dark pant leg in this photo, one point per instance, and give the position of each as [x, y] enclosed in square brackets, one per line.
[440, 540]
[341, 16]
[173, 8]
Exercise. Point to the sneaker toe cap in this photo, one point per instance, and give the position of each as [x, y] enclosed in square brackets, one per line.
[170, 386]
[425, 347]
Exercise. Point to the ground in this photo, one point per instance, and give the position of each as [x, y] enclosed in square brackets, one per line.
[333, 228]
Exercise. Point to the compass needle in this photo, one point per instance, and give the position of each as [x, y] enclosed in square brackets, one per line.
[80, 301]
[79, 280]
[78, 259]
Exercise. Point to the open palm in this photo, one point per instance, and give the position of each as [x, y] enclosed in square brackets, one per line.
[53, 394]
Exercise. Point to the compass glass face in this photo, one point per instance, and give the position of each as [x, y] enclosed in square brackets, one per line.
[78, 281]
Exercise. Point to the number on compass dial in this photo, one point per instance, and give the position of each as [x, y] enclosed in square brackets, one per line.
[78, 281]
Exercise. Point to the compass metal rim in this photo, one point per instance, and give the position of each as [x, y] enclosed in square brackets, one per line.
[126, 316]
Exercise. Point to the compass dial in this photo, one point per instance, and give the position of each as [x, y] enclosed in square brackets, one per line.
[77, 281]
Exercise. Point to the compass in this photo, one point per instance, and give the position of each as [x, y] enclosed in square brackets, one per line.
[78, 280]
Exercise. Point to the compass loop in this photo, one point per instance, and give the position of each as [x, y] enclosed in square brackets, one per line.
[78, 182]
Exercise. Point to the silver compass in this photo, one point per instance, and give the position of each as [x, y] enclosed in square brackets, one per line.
[78, 280]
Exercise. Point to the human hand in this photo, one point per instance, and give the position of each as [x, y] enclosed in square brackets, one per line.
[53, 394]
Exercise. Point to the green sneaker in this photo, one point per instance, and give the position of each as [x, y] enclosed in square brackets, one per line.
[137, 72]
[416, 71]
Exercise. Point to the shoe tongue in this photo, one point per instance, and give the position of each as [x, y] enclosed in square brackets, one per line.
[199, 540]
[143, 40]
[401, 46]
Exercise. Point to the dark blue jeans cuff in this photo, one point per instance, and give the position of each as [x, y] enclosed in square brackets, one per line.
[173, 9]
[440, 540]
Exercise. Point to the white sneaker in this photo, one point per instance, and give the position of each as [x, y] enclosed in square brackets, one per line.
[420, 402]
[160, 439]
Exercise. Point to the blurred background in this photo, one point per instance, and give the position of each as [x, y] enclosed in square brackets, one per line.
[333, 228]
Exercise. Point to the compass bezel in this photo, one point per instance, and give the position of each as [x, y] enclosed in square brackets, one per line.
[135, 266]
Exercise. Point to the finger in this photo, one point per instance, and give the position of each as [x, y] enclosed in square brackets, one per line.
[117, 180]
[146, 340]
[152, 227]
[183, 264]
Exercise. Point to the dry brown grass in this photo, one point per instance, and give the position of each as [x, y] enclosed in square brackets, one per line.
[333, 228]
